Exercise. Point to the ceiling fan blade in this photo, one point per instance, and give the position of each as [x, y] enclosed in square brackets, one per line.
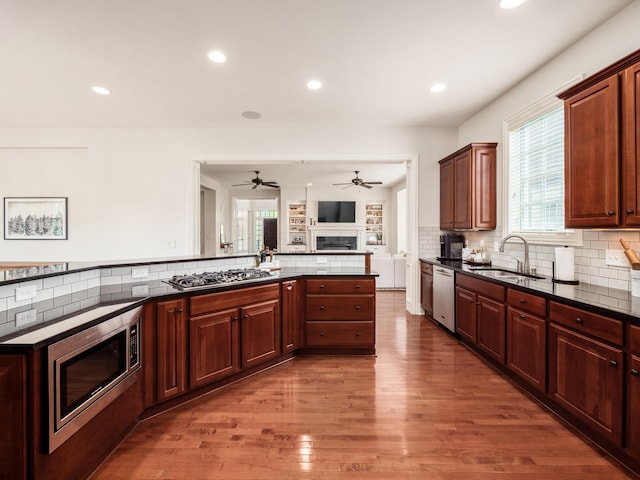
[254, 187]
[373, 183]
[241, 184]
[349, 183]
[365, 185]
[269, 185]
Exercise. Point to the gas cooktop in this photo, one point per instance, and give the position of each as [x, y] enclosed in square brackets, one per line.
[210, 279]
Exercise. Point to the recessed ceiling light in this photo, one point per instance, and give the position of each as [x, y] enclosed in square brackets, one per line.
[437, 87]
[309, 184]
[251, 115]
[507, 4]
[314, 84]
[101, 90]
[217, 57]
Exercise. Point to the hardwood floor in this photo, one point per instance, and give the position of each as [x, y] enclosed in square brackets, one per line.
[424, 408]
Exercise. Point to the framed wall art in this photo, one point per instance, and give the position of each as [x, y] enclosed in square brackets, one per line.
[35, 218]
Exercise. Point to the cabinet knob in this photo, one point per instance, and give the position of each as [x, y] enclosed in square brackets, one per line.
[613, 363]
[611, 213]
[628, 211]
[523, 315]
[321, 286]
[289, 287]
[322, 334]
[321, 307]
[357, 307]
[522, 300]
[358, 286]
[634, 372]
[246, 315]
[477, 303]
[179, 310]
[234, 318]
[357, 334]
[579, 320]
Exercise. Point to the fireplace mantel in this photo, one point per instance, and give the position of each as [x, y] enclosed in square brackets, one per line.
[338, 230]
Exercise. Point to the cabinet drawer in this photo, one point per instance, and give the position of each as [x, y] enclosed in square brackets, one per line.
[527, 302]
[233, 298]
[481, 286]
[347, 285]
[634, 338]
[604, 328]
[426, 268]
[340, 307]
[340, 334]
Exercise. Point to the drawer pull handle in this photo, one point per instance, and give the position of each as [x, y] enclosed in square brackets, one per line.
[613, 363]
[357, 334]
[321, 307]
[629, 211]
[357, 307]
[358, 286]
[179, 310]
[522, 300]
[321, 286]
[322, 334]
[635, 372]
[611, 213]
[579, 320]
[522, 315]
[289, 287]
[477, 303]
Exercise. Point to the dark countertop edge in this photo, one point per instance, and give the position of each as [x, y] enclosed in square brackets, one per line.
[602, 310]
[73, 267]
[143, 300]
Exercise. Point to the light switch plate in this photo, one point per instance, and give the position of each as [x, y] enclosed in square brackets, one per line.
[25, 293]
[24, 318]
[140, 290]
[139, 272]
[616, 258]
[321, 259]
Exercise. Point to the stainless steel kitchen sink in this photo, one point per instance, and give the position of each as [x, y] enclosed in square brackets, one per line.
[502, 274]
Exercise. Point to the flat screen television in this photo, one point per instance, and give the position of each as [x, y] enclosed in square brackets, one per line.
[336, 212]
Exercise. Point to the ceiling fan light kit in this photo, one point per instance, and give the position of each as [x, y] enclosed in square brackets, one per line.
[358, 182]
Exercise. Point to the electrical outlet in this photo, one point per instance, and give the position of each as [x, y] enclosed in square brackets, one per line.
[25, 293]
[140, 290]
[24, 318]
[139, 272]
[321, 259]
[616, 258]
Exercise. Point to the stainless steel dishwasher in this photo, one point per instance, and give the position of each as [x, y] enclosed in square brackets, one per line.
[444, 297]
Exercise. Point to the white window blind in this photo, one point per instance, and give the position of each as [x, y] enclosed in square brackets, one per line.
[536, 174]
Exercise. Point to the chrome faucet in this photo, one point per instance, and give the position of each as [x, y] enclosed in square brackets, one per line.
[522, 268]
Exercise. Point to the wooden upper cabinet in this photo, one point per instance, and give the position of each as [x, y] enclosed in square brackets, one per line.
[602, 146]
[468, 188]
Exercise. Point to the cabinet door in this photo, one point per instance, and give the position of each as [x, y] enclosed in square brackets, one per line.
[426, 293]
[447, 194]
[13, 408]
[466, 314]
[260, 332]
[592, 155]
[631, 147]
[585, 377]
[633, 397]
[171, 349]
[484, 188]
[213, 347]
[491, 328]
[462, 202]
[290, 298]
[527, 347]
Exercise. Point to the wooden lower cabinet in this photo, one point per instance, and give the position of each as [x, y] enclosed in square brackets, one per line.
[633, 406]
[290, 311]
[586, 379]
[13, 414]
[527, 347]
[466, 314]
[344, 334]
[213, 346]
[171, 353]
[426, 288]
[260, 332]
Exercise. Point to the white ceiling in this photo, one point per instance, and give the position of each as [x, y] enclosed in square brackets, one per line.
[376, 59]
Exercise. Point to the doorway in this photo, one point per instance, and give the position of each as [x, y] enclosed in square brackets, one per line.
[207, 221]
[270, 233]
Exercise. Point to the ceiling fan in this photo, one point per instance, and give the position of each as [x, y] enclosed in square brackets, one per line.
[256, 182]
[358, 182]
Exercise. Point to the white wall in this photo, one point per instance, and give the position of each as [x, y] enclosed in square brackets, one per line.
[135, 182]
[223, 209]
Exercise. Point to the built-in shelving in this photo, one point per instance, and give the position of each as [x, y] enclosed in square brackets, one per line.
[374, 220]
[297, 226]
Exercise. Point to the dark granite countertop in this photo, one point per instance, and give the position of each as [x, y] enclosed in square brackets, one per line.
[595, 298]
[122, 297]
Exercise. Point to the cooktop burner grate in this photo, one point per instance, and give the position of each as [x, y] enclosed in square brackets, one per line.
[208, 279]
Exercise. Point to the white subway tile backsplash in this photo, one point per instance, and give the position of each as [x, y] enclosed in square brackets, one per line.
[62, 290]
[71, 278]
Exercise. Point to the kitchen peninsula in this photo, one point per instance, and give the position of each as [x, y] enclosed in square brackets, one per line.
[173, 345]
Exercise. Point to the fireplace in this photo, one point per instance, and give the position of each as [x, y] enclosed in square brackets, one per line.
[336, 243]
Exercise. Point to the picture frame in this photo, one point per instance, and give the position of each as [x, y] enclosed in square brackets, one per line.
[297, 239]
[35, 218]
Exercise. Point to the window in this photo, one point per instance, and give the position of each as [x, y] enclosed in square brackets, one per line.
[534, 173]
